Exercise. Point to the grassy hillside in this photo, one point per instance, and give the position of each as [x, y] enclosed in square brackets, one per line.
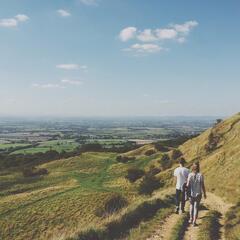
[66, 200]
[218, 150]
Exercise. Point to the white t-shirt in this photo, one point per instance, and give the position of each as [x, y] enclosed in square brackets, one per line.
[182, 175]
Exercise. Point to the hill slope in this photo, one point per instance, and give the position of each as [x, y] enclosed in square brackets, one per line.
[218, 150]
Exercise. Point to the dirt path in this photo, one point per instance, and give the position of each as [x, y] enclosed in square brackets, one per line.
[212, 202]
[216, 203]
[191, 232]
[165, 229]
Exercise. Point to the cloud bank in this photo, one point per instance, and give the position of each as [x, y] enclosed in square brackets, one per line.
[151, 39]
[13, 22]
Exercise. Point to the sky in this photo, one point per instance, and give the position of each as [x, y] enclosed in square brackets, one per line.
[74, 58]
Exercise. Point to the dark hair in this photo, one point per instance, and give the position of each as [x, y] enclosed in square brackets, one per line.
[196, 167]
[182, 161]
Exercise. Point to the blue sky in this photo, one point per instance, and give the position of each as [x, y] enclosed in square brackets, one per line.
[119, 57]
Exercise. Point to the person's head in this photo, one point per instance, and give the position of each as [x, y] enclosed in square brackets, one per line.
[182, 161]
[196, 167]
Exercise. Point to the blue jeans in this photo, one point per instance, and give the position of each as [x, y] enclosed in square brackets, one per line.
[180, 199]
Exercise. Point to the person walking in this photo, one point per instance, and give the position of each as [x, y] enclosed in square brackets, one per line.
[181, 174]
[196, 188]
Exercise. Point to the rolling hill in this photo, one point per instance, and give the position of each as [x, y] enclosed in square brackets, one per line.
[66, 202]
[218, 150]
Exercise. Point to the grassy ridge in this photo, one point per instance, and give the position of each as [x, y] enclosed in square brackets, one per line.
[179, 229]
[232, 223]
[209, 228]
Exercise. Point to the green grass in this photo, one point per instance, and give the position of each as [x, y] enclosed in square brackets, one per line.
[180, 228]
[147, 228]
[6, 146]
[209, 228]
[64, 201]
[57, 145]
[232, 223]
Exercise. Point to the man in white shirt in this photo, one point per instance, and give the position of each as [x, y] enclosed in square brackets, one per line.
[181, 175]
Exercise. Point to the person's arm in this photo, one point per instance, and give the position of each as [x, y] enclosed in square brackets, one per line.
[203, 188]
[175, 177]
[188, 180]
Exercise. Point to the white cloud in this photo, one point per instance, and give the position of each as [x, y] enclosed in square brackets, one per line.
[71, 82]
[181, 40]
[127, 33]
[71, 66]
[166, 33]
[145, 48]
[47, 85]
[22, 17]
[146, 36]
[186, 27]
[63, 13]
[160, 36]
[8, 22]
[13, 22]
[89, 2]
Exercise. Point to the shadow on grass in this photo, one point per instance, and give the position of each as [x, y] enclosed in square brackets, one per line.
[120, 228]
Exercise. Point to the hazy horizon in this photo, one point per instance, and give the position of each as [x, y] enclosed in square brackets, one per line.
[119, 58]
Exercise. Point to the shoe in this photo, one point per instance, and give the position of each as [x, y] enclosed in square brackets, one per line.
[194, 225]
[177, 211]
[190, 221]
[183, 211]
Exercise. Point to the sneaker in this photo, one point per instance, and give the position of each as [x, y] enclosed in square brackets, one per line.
[194, 225]
[190, 221]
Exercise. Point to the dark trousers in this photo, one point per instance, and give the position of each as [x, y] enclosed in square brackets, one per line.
[180, 199]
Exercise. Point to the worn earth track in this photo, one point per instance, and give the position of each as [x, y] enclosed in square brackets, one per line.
[212, 202]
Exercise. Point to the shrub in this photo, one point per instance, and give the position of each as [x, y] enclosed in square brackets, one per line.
[165, 162]
[161, 148]
[33, 172]
[133, 174]
[124, 159]
[112, 205]
[148, 185]
[213, 140]
[154, 170]
[150, 152]
[176, 153]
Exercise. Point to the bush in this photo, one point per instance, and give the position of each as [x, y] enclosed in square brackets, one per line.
[165, 162]
[112, 205]
[176, 153]
[124, 159]
[161, 148]
[150, 152]
[213, 140]
[154, 170]
[148, 185]
[133, 174]
[33, 172]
